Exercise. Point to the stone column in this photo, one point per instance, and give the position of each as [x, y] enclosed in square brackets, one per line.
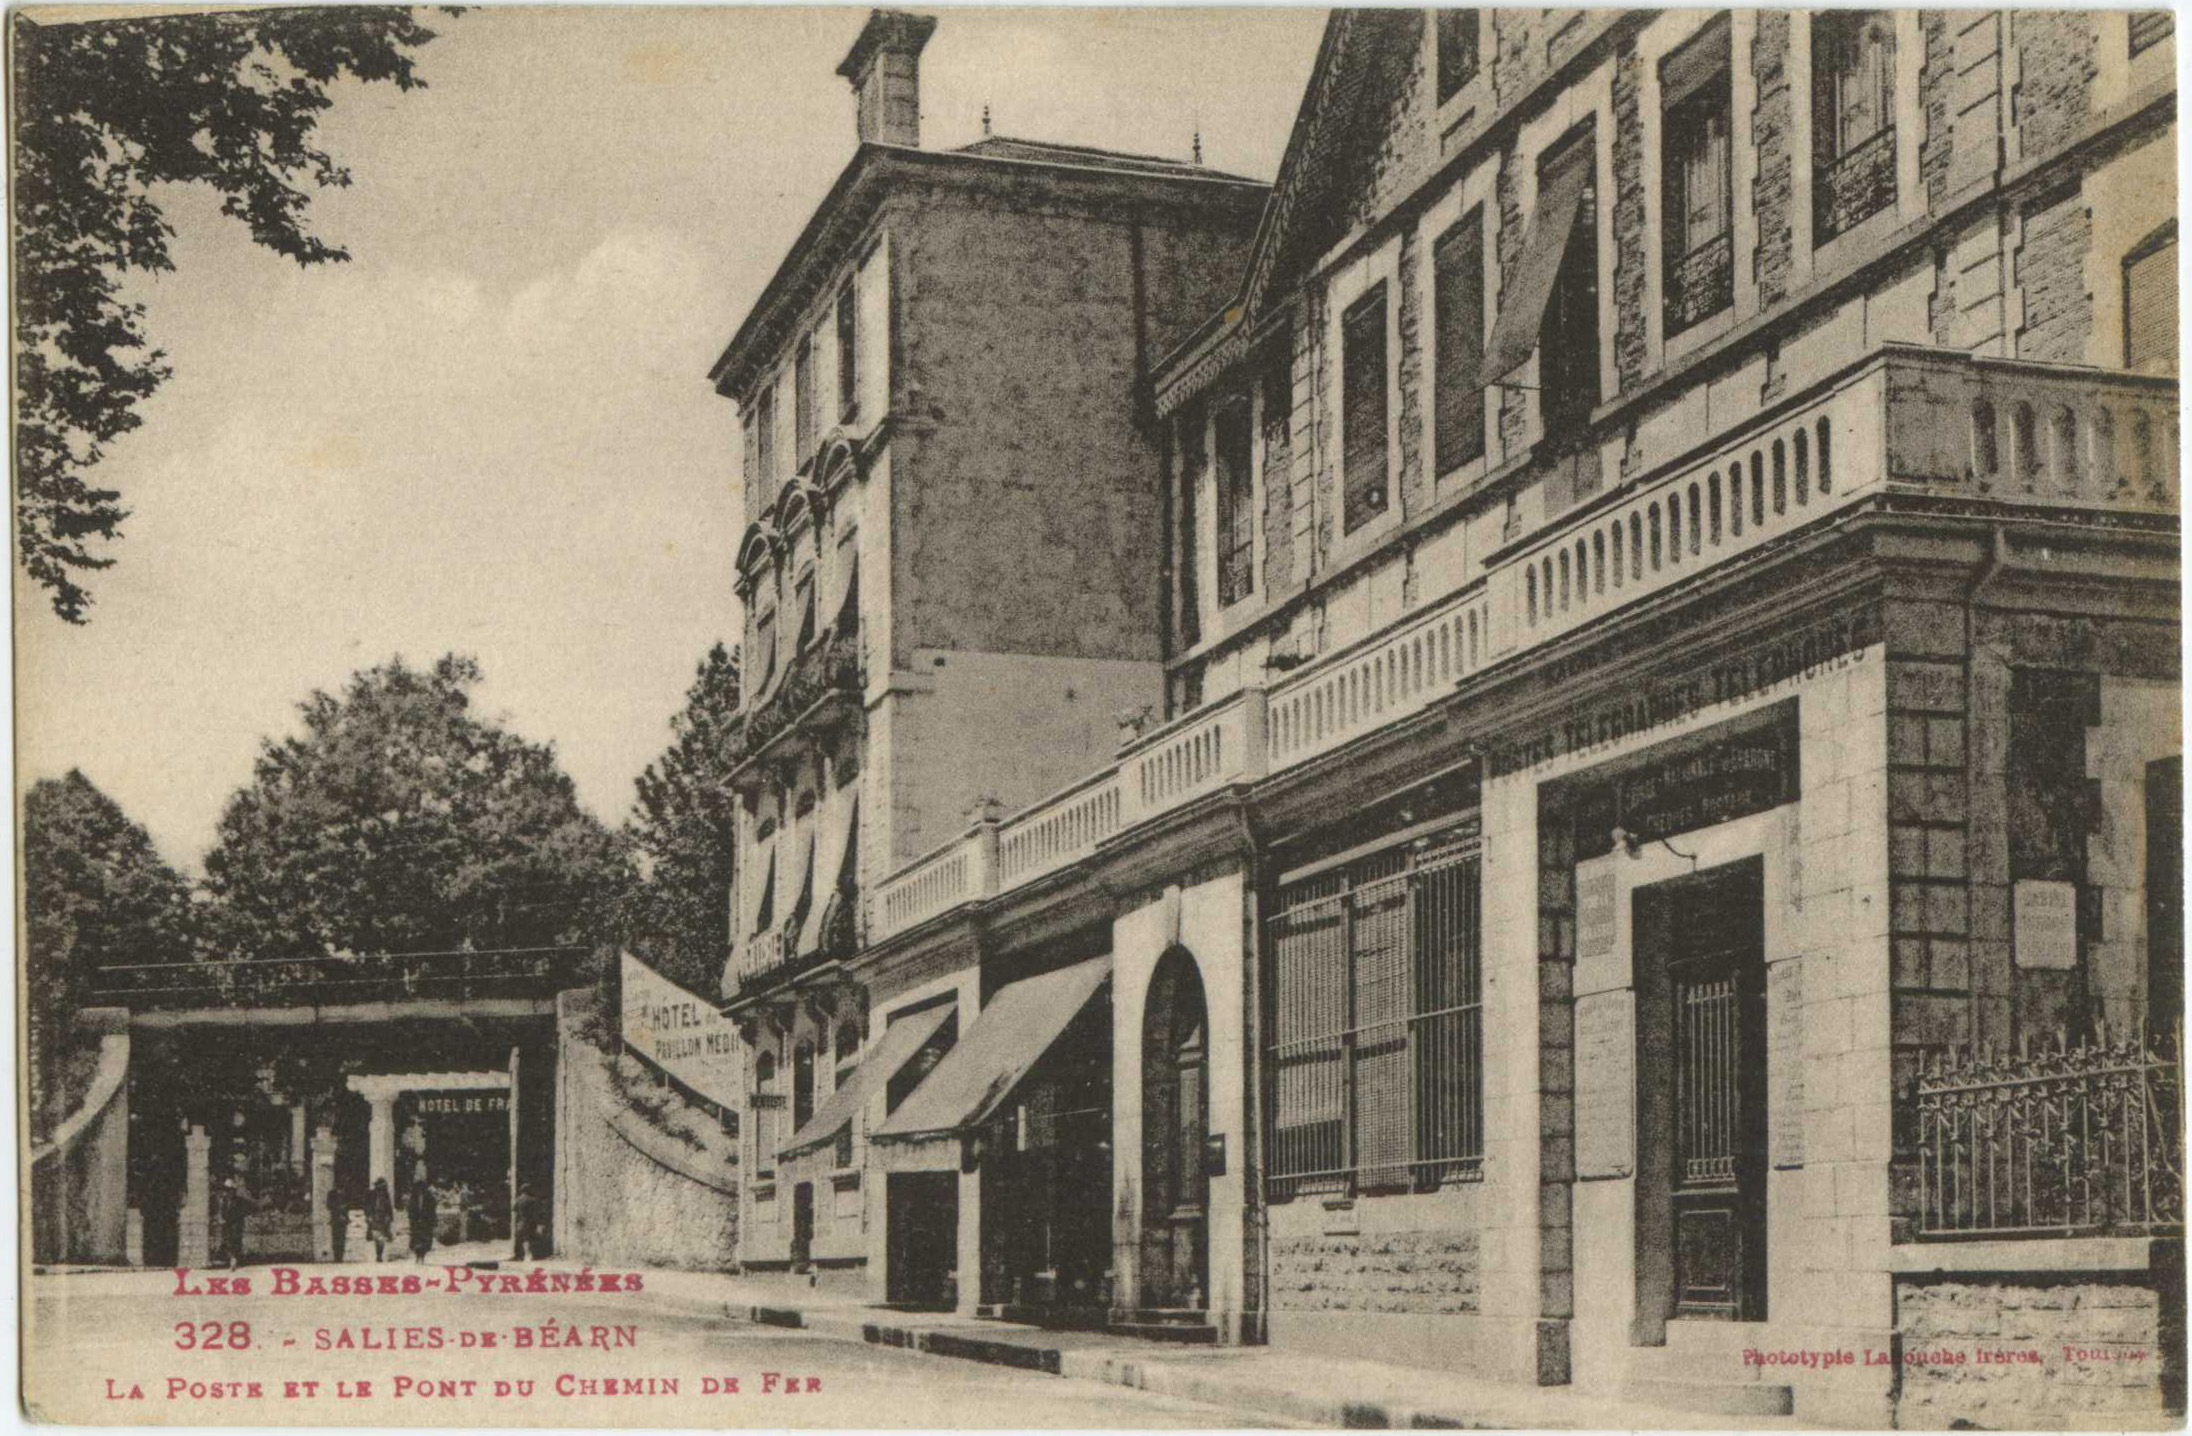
[323, 1182]
[381, 1142]
[969, 1263]
[195, 1247]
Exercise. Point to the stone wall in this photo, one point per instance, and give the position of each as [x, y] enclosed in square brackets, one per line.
[626, 1193]
[1418, 1273]
[2035, 1351]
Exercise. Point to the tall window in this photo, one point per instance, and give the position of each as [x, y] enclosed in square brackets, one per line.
[1697, 194]
[1236, 504]
[848, 354]
[765, 439]
[1377, 1059]
[1363, 409]
[2150, 303]
[765, 1103]
[803, 600]
[1853, 118]
[803, 403]
[802, 1085]
[1568, 328]
[764, 650]
[1193, 438]
[1457, 262]
[1457, 50]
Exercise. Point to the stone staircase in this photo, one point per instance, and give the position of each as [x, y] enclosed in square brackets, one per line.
[1701, 1369]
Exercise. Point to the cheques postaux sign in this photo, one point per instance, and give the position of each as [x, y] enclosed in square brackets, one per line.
[680, 1033]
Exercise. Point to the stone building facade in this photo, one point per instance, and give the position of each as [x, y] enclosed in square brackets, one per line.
[1669, 758]
[944, 399]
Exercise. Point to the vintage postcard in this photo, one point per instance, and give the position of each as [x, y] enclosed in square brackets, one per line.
[1047, 717]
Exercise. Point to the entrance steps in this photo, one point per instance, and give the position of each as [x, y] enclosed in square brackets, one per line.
[1701, 1368]
[1187, 1326]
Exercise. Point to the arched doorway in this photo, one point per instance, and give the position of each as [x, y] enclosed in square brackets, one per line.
[1175, 1119]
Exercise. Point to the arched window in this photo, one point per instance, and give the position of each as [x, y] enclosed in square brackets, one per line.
[1697, 524]
[2069, 463]
[1529, 593]
[1780, 478]
[1803, 468]
[2028, 446]
[1826, 459]
[1712, 497]
[802, 1084]
[1674, 528]
[1654, 523]
[1986, 452]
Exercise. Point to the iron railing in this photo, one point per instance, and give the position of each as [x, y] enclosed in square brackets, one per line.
[1376, 1075]
[454, 975]
[2074, 1139]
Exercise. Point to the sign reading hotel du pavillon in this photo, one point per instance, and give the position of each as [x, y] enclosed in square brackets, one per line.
[682, 1034]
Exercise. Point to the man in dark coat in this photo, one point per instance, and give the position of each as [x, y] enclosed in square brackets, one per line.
[525, 1233]
[236, 1204]
[419, 1205]
[338, 1217]
[380, 1218]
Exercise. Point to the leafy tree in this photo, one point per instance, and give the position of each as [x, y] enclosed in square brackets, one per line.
[95, 894]
[399, 821]
[683, 830]
[105, 112]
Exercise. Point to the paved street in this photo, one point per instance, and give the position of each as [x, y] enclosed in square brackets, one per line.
[97, 1336]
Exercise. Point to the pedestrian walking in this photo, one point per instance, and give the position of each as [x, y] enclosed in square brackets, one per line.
[380, 1218]
[419, 1205]
[236, 1204]
[338, 1217]
[525, 1232]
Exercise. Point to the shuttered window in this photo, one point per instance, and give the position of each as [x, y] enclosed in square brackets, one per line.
[1193, 438]
[2151, 27]
[1457, 51]
[1697, 194]
[2150, 304]
[803, 402]
[1457, 262]
[765, 441]
[848, 354]
[1376, 1061]
[1236, 504]
[1363, 409]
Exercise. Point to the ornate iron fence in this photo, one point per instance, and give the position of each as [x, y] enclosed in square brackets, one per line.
[2074, 1139]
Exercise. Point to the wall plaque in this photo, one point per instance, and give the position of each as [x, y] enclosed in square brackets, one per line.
[1595, 914]
[1785, 1062]
[2046, 921]
[1605, 1082]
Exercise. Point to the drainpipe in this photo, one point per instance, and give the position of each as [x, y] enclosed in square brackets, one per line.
[1253, 1325]
[1997, 558]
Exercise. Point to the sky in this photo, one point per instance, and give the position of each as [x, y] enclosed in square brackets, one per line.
[492, 431]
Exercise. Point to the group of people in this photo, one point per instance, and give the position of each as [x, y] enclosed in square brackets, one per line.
[235, 1202]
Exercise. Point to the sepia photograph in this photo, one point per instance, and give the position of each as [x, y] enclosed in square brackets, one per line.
[1017, 717]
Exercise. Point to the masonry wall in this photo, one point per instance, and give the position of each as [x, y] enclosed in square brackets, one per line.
[626, 1193]
[1024, 339]
[2099, 1339]
[1988, 107]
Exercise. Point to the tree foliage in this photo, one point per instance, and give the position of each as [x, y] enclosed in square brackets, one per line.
[399, 821]
[683, 830]
[95, 894]
[105, 112]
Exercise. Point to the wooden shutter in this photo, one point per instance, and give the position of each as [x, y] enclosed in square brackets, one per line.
[2150, 308]
[1457, 262]
[2151, 27]
[1457, 51]
[1363, 408]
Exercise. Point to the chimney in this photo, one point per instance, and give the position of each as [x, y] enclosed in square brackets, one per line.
[884, 68]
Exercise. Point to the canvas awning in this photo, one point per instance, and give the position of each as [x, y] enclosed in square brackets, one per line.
[1522, 302]
[840, 842]
[899, 1042]
[1006, 1039]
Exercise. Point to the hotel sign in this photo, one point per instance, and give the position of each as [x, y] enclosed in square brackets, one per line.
[680, 1033]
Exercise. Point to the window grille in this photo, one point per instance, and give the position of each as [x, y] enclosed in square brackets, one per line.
[1853, 119]
[1698, 195]
[1236, 505]
[1376, 1064]
[1363, 409]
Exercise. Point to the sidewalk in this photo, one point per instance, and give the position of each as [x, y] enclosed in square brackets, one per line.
[1255, 1381]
